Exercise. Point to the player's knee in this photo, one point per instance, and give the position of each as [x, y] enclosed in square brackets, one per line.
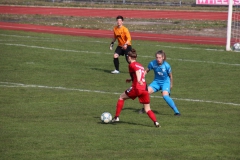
[150, 90]
[123, 96]
[147, 107]
[115, 55]
[165, 93]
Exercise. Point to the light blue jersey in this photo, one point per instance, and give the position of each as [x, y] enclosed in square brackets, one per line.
[161, 79]
[162, 82]
[161, 72]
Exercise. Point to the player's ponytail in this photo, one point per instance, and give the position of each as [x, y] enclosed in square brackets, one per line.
[132, 53]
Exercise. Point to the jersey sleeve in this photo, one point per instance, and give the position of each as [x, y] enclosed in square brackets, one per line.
[114, 34]
[150, 66]
[169, 69]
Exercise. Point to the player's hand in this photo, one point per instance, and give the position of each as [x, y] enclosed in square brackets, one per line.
[124, 46]
[111, 46]
[128, 80]
[145, 73]
[140, 82]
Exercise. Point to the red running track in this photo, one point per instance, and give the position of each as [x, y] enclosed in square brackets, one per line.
[109, 34]
[145, 14]
[113, 13]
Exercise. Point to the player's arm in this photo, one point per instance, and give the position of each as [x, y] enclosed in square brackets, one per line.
[128, 80]
[169, 71]
[149, 68]
[114, 39]
[139, 76]
[125, 45]
[146, 71]
[171, 79]
[112, 43]
[127, 34]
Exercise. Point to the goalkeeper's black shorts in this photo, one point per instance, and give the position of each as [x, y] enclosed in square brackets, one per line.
[123, 52]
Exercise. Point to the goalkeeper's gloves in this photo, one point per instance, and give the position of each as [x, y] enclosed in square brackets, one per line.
[111, 46]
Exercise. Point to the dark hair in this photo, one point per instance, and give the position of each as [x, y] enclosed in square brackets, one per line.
[132, 53]
[119, 17]
[161, 52]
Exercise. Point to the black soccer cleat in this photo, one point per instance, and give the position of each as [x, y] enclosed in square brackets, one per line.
[141, 111]
[177, 114]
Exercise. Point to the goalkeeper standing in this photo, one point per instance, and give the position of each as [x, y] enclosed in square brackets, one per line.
[123, 36]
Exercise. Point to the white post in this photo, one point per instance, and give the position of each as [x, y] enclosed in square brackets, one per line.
[229, 25]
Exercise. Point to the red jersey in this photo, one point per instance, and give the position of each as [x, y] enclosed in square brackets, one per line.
[133, 67]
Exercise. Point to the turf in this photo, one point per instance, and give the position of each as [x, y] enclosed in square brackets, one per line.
[54, 88]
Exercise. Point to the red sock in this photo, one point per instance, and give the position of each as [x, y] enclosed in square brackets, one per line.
[152, 115]
[119, 107]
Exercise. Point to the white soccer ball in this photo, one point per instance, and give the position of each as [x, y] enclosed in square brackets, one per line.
[106, 117]
[236, 47]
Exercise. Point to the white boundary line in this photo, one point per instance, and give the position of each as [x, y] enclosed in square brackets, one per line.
[77, 51]
[15, 85]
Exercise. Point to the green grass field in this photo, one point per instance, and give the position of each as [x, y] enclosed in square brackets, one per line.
[53, 89]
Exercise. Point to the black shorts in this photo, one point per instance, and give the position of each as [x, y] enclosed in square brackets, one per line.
[123, 52]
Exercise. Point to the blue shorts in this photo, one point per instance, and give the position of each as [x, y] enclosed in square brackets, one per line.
[160, 86]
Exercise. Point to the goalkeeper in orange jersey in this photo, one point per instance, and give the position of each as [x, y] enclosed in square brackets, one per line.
[123, 36]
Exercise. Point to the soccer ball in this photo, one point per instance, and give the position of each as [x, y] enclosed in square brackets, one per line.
[236, 47]
[106, 117]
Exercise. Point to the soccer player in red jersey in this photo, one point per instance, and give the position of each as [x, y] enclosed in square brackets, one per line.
[138, 88]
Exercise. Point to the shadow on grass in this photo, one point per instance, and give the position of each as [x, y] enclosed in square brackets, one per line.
[106, 71]
[124, 122]
[137, 111]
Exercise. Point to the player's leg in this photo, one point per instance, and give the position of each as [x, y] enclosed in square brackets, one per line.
[129, 48]
[168, 99]
[151, 114]
[116, 60]
[153, 87]
[120, 103]
[145, 100]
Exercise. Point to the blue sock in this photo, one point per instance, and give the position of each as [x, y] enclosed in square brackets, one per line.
[171, 103]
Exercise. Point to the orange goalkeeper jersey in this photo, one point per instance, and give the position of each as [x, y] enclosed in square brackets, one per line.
[122, 35]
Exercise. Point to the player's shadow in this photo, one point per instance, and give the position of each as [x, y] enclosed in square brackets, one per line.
[137, 110]
[121, 122]
[132, 123]
[104, 70]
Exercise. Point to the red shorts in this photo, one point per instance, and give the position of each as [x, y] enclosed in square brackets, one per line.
[143, 95]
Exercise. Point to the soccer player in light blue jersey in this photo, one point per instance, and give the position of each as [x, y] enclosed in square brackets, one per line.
[163, 79]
